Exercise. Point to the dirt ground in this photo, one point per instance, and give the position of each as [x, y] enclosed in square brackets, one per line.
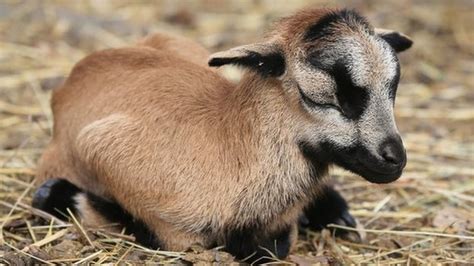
[427, 216]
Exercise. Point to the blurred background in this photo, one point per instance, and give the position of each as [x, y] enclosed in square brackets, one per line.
[41, 40]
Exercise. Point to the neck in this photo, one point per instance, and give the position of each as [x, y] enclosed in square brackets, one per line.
[272, 169]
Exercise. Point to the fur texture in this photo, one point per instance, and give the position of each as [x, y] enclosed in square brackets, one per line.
[200, 160]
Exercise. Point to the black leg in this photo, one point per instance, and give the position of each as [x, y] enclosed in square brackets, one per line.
[252, 245]
[329, 207]
[114, 213]
[55, 196]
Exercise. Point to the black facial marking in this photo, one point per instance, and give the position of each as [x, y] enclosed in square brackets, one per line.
[355, 158]
[324, 26]
[269, 65]
[352, 99]
[328, 207]
[317, 159]
[244, 242]
[322, 155]
[55, 196]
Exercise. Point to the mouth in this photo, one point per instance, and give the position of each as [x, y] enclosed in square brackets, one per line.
[374, 175]
[370, 169]
[357, 161]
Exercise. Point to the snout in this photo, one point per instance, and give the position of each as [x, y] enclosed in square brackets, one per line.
[382, 164]
[389, 161]
[392, 155]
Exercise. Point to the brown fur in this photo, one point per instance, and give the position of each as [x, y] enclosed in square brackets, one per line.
[154, 128]
[179, 46]
[175, 143]
[90, 217]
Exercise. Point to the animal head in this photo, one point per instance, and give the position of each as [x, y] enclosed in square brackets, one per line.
[344, 74]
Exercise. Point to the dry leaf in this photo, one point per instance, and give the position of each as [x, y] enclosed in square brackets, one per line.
[308, 260]
[454, 218]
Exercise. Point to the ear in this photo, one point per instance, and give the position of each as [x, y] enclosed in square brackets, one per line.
[265, 58]
[399, 41]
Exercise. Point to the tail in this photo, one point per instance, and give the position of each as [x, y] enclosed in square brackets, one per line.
[56, 196]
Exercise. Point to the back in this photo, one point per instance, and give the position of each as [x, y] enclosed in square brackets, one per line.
[156, 87]
[135, 79]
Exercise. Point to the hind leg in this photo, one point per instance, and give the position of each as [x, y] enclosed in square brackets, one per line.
[55, 162]
[329, 207]
[55, 196]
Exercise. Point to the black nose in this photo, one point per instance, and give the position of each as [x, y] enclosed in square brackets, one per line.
[393, 153]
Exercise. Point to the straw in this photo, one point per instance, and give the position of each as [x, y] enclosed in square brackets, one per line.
[426, 217]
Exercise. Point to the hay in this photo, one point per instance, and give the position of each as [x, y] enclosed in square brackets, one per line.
[425, 217]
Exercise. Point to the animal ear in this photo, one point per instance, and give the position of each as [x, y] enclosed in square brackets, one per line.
[399, 41]
[264, 58]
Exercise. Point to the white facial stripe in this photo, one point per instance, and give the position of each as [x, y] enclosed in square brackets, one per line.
[374, 67]
[377, 123]
[372, 62]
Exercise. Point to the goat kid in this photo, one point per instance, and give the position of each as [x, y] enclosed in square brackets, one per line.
[153, 138]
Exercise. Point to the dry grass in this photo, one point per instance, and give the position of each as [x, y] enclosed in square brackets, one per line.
[425, 217]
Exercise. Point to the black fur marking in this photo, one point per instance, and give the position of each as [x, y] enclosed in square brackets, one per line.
[249, 244]
[317, 162]
[269, 65]
[355, 158]
[393, 152]
[398, 42]
[352, 99]
[324, 26]
[113, 212]
[328, 207]
[55, 196]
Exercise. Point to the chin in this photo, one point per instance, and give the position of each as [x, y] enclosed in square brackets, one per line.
[377, 177]
[357, 160]
[371, 174]
[369, 169]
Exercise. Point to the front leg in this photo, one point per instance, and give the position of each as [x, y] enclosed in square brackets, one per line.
[328, 207]
[252, 245]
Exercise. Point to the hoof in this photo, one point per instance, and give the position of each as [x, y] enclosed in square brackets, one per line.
[55, 196]
[329, 208]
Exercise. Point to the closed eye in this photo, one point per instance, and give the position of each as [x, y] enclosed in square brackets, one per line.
[314, 104]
